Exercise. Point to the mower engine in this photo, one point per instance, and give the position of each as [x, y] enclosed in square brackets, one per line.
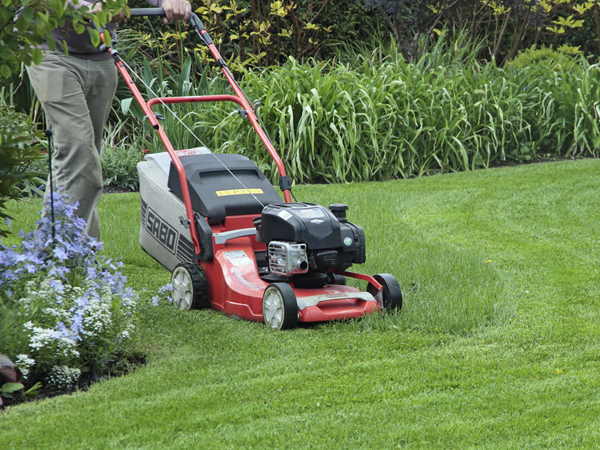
[306, 241]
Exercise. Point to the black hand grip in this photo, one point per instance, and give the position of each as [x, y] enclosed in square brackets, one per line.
[145, 12]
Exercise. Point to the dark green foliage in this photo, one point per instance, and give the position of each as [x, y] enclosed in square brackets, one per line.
[34, 25]
[18, 149]
[119, 167]
[350, 23]
[120, 154]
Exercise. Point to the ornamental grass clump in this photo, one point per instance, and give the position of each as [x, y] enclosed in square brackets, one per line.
[64, 310]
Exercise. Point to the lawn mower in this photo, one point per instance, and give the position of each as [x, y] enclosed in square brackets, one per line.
[231, 243]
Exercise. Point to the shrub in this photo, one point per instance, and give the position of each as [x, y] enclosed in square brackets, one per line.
[544, 58]
[63, 309]
[18, 149]
[119, 167]
[119, 159]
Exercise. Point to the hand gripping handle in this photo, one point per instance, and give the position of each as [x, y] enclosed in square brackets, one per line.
[159, 12]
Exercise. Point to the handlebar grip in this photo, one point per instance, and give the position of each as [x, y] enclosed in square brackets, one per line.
[146, 12]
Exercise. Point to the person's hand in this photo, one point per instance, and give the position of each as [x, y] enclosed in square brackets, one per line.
[176, 10]
[119, 17]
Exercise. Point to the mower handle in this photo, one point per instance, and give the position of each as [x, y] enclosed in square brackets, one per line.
[159, 12]
[146, 12]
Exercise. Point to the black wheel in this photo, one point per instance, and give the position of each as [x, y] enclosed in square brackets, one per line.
[392, 295]
[190, 287]
[280, 308]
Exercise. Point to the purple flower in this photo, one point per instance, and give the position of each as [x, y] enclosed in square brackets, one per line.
[31, 268]
[77, 325]
[58, 271]
[56, 285]
[91, 272]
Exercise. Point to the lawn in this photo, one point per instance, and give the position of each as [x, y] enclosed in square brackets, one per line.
[498, 345]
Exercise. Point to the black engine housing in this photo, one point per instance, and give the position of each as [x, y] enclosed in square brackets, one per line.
[332, 242]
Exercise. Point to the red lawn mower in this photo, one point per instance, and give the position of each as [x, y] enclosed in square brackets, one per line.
[219, 225]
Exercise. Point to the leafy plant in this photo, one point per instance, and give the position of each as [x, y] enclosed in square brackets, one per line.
[380, 117]
[18, 149]
[35, 20]
[119, 158]
[10, 378]
[544, 58]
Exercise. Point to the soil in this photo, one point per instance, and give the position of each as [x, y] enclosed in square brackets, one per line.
[85, 381]
[116, 190]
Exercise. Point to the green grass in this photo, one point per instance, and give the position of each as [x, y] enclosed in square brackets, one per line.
[497, 346]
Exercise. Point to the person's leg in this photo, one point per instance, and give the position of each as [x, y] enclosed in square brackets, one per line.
[60, 83]
[100, 88]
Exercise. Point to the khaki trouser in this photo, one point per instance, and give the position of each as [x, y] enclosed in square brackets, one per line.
[76, 95]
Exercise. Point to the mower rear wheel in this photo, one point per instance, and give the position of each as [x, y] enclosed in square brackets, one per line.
[392, 295]
[279, 307]
[190, 287]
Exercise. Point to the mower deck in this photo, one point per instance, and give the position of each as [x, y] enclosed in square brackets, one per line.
[237, 289]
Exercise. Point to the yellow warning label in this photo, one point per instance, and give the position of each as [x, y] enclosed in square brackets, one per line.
[238, 192]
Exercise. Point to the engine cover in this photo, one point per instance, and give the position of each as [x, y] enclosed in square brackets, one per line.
[332, 242]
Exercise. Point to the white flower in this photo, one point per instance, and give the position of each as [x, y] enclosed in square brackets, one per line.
[24, 362]
[62, 377]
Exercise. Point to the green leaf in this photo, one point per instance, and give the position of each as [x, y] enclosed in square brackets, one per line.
[51, 42]
[58, 7]
[94, 36]
[22, 25]
[36, 56]
[5, 71]
[28, 14]
[107, 39]
[9, 388]
[41, 22]
[125, 105]
[33, 389]
[78, 27]
[64, 47]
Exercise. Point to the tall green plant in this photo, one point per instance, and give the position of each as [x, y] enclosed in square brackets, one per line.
[18, 149]
[176, 119]
[382, 118]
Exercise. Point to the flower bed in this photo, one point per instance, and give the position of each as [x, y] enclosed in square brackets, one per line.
[64, 310]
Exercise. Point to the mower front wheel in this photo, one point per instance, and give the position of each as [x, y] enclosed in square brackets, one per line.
[391, 293]
[190, 287]
[279, 307]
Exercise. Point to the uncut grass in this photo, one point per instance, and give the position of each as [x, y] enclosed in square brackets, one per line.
[530, 381]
